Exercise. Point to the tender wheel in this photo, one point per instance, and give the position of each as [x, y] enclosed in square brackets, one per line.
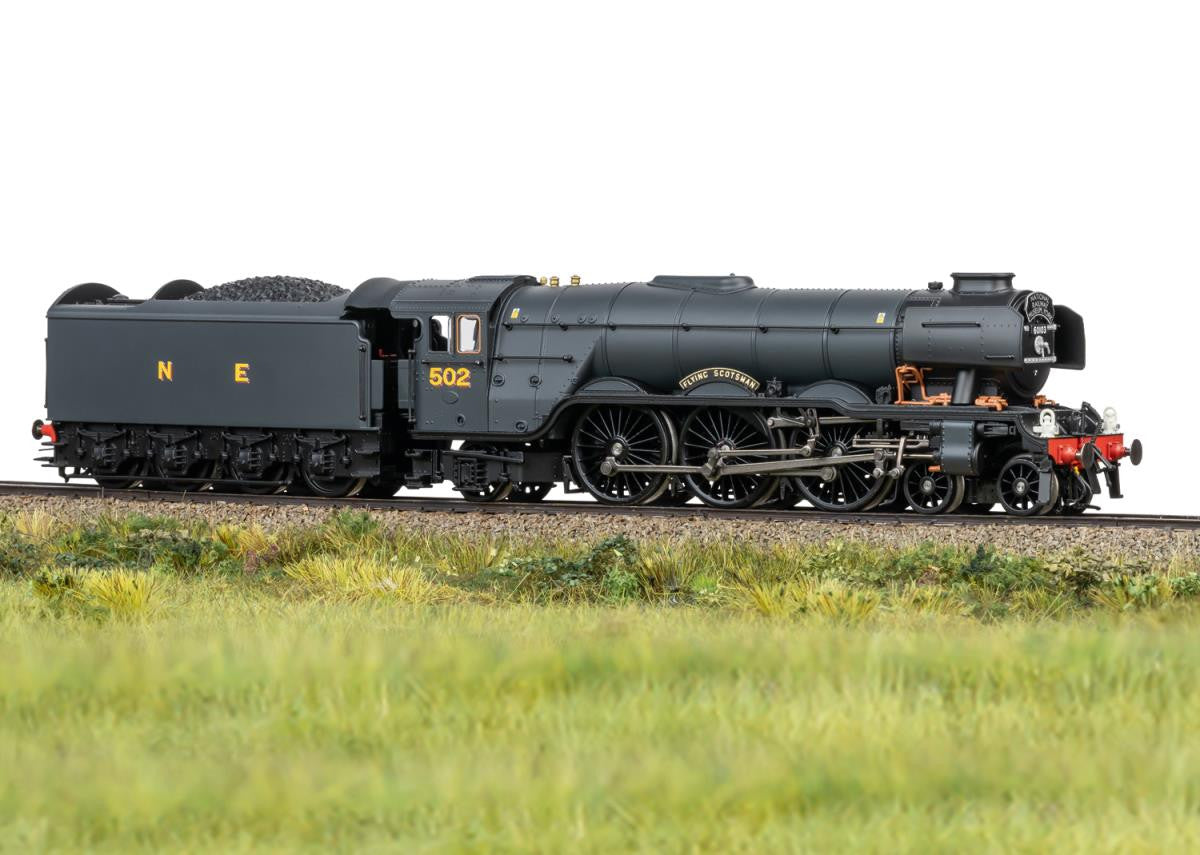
[318, 462]
[1019, 485]
[279, 473]
[330, 488]
[853, 486]
[718, 429]
[929, 492]
[631, 435]
[267, 481]
[529, 491]
[122, 477]
[187, 479]
[496, 491]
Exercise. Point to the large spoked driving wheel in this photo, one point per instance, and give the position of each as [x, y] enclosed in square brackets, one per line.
[932, 492]
[853, 486]
[1021, 490]
[733, 437]
[630, 435]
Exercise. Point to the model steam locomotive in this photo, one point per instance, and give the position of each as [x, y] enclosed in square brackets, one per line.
[637, 392]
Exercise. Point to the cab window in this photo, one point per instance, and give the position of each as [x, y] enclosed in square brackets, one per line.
[439, 333]
[468, 334]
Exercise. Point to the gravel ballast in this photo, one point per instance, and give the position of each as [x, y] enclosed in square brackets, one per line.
[1156, 545]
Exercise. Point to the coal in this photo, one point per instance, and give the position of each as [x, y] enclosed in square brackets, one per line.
[271, 289]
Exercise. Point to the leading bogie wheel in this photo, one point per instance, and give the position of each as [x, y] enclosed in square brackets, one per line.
[931, 491]
[1021, 488]
[738, 437]
[612, 434]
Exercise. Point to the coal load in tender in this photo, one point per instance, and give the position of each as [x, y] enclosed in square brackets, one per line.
[271, 289]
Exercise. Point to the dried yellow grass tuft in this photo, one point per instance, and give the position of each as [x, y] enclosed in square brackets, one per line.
[365, 577]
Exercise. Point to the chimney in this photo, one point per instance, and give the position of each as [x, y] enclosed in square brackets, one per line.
[982, 283]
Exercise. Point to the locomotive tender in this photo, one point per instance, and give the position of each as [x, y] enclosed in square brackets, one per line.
[637, 392]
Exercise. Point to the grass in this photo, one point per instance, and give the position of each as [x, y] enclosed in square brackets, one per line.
[348, 688]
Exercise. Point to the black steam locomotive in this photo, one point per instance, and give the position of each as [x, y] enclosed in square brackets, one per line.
[636, 392]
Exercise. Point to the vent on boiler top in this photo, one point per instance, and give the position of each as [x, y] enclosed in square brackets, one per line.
[730, 284]
[982, 283]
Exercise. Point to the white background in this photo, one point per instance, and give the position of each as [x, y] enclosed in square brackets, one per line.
[821, 144]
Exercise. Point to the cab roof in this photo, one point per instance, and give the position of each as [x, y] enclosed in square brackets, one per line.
[421, 296]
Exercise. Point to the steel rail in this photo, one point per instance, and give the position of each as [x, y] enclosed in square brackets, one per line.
[441, 505]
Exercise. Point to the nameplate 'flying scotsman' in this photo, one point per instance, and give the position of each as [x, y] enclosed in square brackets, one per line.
[682, 387]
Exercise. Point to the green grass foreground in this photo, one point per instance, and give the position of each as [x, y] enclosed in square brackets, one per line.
[347, 688]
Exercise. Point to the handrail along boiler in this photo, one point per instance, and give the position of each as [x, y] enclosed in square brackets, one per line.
[682, 387]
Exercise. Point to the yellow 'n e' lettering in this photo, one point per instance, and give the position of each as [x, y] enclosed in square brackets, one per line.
[241, 372]
[165, 371]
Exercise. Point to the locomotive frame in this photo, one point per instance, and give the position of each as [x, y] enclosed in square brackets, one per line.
[635, 393]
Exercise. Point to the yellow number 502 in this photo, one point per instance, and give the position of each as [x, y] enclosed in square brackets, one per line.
[450, 376]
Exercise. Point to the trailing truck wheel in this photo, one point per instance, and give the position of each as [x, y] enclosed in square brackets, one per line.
[1020, 487]
[930, 492]
[529, 491]
[622, 435]
[853, 486]
[711, 430]
[496, 491]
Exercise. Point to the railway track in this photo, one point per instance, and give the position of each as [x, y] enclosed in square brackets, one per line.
[442, 505]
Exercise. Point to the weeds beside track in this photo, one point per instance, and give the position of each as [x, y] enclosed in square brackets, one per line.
[346, 687]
